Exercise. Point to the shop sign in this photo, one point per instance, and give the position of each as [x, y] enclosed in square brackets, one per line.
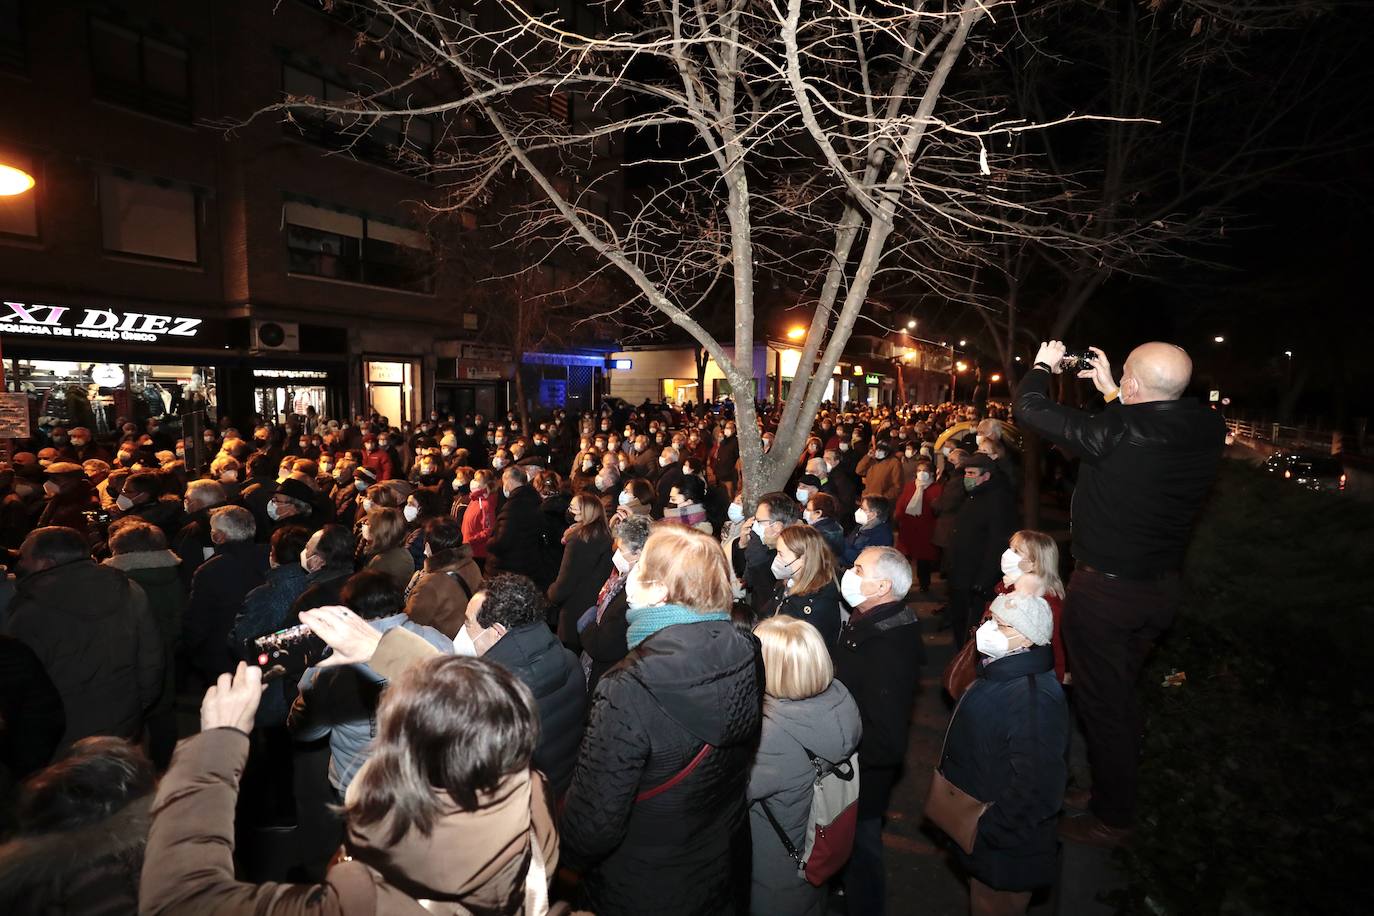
[486, 353]
[290, 373]
[40, 320]
[483, 373]
[872, 380]
[386, 373]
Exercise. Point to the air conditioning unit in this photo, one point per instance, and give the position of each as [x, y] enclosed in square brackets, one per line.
[275, 336]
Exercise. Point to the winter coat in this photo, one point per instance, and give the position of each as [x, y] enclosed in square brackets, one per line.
[668, 478]
[983, 527]
[396, 563]
[472, 862]
[724, 459]
[166, 514]
[158, 573]
[217, 592]
[553, 675]
[753, 563]
[438, 595]
[915, 533]
[947, 506]
[322, 589]
[999, 751]
[518, 543]
[686, 850]
[781, 777]
[879, 658]
[881, 477]
[91, 628]
[379, 462]
[833, 533]
[257, 493]
[586, 564]
[267, 609]
[875, 534]
[67, 508]
[191, 542]
[341, 702]
[821, 609]
[91, 870]
[604, 641]
[30, 710]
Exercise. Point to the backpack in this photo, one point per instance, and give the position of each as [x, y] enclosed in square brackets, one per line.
[834, 814]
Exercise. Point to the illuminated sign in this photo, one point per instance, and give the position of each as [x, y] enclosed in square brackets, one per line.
[872, 380]
[289, 373]
[623, 364]
[107, 375]
[41, 320]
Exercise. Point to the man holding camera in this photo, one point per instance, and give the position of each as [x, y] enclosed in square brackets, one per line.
[1148, 460]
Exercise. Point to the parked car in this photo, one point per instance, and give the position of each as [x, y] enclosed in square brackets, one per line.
[1314, 472]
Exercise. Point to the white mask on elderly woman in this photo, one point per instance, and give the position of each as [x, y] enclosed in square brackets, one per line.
[1011, 566]
[991, 641]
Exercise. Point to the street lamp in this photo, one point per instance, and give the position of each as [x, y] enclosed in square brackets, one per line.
[995, 377]
[14, 180]
[1219, 339]
[961, 366]
[1288, 353]
[911, 324]
[797, 333]
[963, 343]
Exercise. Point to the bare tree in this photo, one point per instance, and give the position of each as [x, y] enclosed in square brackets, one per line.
[841, 145]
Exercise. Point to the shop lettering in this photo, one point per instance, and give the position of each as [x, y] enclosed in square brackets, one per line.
[98, 324]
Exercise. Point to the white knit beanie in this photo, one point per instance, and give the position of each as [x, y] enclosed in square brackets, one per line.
[1030, 616]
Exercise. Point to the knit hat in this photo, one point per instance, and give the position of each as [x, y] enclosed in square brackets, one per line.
[448, 441]
[1028, 614]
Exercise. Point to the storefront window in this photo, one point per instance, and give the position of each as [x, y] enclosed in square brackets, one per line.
[280, 393]
[679, 390]
[97, 395]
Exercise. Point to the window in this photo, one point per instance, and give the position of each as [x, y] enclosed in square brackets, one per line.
[132, 69]
[14, 52]
[19, 212]
[343, 246]
[389, 141]
[149, 219]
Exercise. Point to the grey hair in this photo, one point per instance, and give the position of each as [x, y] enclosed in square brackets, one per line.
[888, 563]
[633, 532]
[670, 452]
[516, 475]
[234, 522]
[201, 494]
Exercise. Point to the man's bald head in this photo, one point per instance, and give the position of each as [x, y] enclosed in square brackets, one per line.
[1158, 371]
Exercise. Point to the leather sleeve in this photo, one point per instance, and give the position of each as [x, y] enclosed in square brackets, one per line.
[1091, 436]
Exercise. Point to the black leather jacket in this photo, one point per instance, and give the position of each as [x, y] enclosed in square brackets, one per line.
[1146, 469]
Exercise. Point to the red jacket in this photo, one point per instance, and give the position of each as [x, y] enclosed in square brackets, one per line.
[915, 532]
[479, 523]
[378, 461]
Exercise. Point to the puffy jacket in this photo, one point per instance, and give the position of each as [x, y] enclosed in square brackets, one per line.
[158, 573]
[1006, 745]
[341, 702]
[882, 477]
[217, 592]
[877, 534]
[684, 851]
[781, 777]
[91, 628]
[438, 595]
[396, 563]
[518, 544]
[553, 675]
[267, 609]
[1145, 472]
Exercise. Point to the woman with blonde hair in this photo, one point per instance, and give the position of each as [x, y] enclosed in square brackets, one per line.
[806, 714]
[805, 569]
[384, 532]
[1030, 566]
[586, 564]
[655, 818]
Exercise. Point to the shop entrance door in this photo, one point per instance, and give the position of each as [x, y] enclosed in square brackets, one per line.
[467, 400]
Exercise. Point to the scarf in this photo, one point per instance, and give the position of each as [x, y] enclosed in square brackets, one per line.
[646, 621]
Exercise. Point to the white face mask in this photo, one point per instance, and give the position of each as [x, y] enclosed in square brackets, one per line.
[735, 512]
[429, 551]
[924, 476]
[910, 453]
[844, 446]
[625, 497]
[851, 588]
[780, 569]
[124, 503]
[803, 496]
[367, 505]
[1011, 566]
[620, 561]
[457, 485]
[446, 450]
[634, 596]
[991, 641]
[273, 512]
[861, 516]
[365, 533]
[228, 476]
[498, 463]
[411, 512]
[809, 518]
[663, 462]
[978, 438]
[758, 529]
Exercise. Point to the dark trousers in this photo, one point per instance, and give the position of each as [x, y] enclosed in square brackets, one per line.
[1109, 627]
[865, 877]
[965, 608]
[924, 568]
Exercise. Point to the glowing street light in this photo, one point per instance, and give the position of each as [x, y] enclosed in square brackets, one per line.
[995, 377]
[911, 324]
[1288, 353]
[1219, 339]
[1018, 359]
[961, 366]
[14, 181]
[963, 343]
[797, 333]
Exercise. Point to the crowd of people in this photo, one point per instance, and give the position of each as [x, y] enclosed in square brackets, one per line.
[555, 663]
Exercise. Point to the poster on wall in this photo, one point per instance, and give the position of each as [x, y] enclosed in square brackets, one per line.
[14, 415]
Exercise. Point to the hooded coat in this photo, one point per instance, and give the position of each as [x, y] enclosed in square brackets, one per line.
[91, 628]
[158, 573]
[552, 673]
[686, 850]
[827, 725]
[473, 863]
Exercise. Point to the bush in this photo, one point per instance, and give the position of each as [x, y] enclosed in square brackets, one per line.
[1253, 785]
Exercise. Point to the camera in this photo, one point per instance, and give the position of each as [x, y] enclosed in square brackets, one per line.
[294, 649]
[1079, 361]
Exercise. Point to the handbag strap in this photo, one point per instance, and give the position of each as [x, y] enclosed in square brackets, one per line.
[782, 835]
[677, 777]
